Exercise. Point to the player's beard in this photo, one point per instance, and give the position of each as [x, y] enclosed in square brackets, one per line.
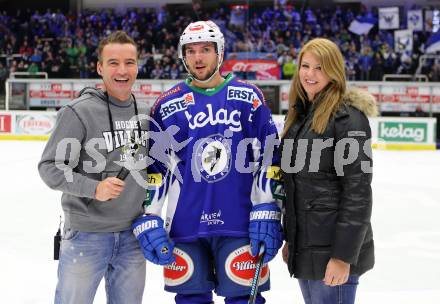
[210, 71]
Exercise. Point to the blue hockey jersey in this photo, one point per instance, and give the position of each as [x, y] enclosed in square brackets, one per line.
[208, 146]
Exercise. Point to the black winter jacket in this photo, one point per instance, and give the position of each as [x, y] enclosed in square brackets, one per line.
[328, 199]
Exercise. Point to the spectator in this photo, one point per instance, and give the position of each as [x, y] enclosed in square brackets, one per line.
[3, 77]
[377, 70]
[36, 57]
[365, 62]
[72, 53]
[83, 66]
[289, 68]
[389, 58]
[25, 50]
[33, 68]
[174, 72]
[405, 63]
[350, 67]
[157, 73]
[285, 57]
[434, 73]
[270, 30]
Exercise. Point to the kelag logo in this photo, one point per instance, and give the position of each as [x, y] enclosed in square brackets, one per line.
[403, 132]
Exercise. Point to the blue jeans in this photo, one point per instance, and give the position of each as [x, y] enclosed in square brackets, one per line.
[87, 257]
[316, 292]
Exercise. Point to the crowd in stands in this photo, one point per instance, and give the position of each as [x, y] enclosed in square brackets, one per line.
[64, 44]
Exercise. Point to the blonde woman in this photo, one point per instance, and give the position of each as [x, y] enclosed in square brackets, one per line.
[326, 163]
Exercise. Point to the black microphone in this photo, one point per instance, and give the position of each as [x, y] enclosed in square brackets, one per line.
[123, 173]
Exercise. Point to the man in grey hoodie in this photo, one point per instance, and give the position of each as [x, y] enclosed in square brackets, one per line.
[95, 135]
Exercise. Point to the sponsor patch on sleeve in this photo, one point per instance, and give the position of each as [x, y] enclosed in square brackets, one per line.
[273, 172]
[176, 105]
[357, 134]
[154, 179]
[244, 94]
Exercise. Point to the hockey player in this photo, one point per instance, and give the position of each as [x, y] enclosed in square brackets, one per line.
[220, 203]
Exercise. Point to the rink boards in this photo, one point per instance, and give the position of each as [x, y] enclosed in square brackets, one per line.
[389, 133]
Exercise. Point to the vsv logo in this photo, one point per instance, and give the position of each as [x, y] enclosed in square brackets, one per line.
[222, 116]
[176, 105]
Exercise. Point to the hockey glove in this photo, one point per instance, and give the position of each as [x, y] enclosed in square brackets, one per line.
[265, 227]
[153, 239]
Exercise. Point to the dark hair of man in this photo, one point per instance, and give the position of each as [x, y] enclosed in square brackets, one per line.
[120, 37]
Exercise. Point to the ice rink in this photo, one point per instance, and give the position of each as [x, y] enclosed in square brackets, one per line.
[406, 225]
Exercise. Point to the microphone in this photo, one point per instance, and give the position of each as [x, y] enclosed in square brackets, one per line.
[123, 173]
[132, 147]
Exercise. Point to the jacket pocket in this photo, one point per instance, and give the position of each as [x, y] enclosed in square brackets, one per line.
[321, 217]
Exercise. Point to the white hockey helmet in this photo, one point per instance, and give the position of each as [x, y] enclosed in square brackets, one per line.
[202, 31]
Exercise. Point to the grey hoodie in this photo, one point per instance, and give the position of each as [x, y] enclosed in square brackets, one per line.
[93, 154]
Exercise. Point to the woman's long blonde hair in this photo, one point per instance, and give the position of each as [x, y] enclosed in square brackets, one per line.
[330, 98]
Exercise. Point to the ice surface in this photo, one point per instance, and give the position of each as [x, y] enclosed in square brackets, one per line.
[406, 224]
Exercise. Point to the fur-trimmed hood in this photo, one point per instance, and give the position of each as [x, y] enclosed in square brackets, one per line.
[361, 100]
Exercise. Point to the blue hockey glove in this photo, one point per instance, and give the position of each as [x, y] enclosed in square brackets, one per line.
[153, 238]
[265, 227]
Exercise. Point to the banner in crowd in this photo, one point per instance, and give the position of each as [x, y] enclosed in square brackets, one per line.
[147, 93]
[436, 99]
[388, 18]
[284, 97]
[428, 20]
[264, 69]
[362, 25]
[238, 15]
[49, 94]
[392, 97]
[404, 98]
[432, 20]
[77, 87]
[34, 123]
[5, 123]
[403, 41]
[433, 43]
[55, 95]
[414, 20]
[251, 55]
